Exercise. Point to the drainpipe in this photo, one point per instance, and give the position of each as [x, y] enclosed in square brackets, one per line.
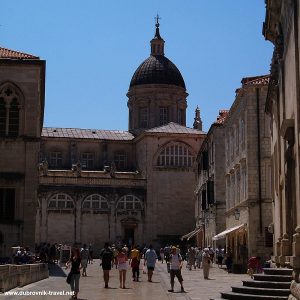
[259, 160]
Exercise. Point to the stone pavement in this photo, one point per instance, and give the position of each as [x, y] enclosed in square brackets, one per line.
[91, 287]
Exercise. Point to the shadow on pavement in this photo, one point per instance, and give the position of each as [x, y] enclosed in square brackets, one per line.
[56, 271]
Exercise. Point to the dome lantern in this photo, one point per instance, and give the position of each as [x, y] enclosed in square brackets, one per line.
[157, 43]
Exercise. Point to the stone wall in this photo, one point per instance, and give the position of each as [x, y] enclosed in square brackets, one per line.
[12, 276]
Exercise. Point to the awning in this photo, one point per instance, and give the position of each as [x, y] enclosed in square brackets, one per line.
[222, 234]
[191, 234]
[194, 233]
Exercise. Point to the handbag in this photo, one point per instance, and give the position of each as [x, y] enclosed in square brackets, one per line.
[69, 277]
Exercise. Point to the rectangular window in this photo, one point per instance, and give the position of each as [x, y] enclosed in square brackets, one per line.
[181, 116]
[7, 204]
[121, 161]
[143, 117]
[210, 192]
[163, 115]
[56, 159]
[87, 160]
[203, 198]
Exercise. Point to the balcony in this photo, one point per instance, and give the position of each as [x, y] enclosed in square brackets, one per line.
[92, 178]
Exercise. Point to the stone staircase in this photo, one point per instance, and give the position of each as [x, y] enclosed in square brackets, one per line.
[272, 284]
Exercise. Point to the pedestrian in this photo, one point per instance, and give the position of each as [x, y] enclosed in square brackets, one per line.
[206, 262]
[162, 254]
[254, 265]
[134, 262]
[75, 261]
[91, 253]
[220, 256]
[191, 258]
[122, 266]
[175, 268]
[211, 252]
[106, 256]
[229, 260]
[199, 257]
[150, 261]
[84, 259]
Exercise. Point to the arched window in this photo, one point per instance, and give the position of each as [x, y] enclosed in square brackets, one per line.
[2, 117]
[13, 127]
[61, 201]
[176, 155]
[9, 111]
[129, 202]
[95, 201]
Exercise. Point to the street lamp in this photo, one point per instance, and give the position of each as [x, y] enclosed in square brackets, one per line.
[237, 214]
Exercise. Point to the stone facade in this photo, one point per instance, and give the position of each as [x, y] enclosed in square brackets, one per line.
[92, 186]
[281, 27]
[236, 156]
[210, 191]
[21, 102]
[248, 172]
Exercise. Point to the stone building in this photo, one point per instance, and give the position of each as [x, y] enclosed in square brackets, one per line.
[91, 185]
[22, 80]
[281, 27]
[248, 173]
[210, 190]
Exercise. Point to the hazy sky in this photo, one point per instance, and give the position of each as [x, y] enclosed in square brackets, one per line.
[93, 47]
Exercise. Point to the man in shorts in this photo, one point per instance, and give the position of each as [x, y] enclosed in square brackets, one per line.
[150, 261]
[106, 256]
[175, 269]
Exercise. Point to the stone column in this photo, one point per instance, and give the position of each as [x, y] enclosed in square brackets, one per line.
[78, 219]
[43, 232]
[295, 259]
[285, 250]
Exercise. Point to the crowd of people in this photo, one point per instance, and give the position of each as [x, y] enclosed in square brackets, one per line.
[124, 258]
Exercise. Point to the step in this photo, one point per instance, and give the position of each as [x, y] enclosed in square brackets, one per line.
[260, 291]
[267, 284]
[278, 278]
[278, 271]
[239, 296]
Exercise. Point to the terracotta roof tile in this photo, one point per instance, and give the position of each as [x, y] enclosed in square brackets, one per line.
[257, 80]
[174, 128]
[8, 53]
[77, 133]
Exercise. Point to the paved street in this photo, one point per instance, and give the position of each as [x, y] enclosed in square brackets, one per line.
[91, 287]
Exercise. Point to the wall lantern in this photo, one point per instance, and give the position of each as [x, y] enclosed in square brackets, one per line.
[237, 214]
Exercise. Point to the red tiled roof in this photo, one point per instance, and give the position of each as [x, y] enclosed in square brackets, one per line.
[257, 80]
[174, 128]
[77, 133]
[8, 53]
[222, 116]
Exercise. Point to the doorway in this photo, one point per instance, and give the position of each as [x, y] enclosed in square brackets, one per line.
[129, 236]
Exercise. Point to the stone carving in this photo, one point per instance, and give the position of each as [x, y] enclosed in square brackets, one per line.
[76, 169]
[113, 170]
[43, 168]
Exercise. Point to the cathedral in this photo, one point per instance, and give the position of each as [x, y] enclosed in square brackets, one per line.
[71, 185]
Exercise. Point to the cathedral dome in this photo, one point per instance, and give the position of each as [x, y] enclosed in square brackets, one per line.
[157, 69]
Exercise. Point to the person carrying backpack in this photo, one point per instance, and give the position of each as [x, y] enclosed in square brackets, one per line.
[175, 269]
